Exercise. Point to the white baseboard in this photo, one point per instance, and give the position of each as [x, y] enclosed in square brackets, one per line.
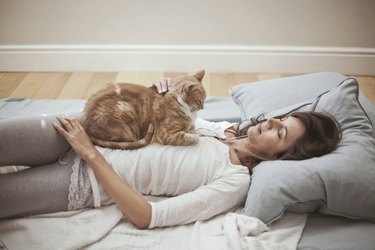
[259, 59]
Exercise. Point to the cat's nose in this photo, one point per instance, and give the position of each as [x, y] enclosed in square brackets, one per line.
[197, 108]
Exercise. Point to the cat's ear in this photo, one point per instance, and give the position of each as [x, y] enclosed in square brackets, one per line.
[200, 74]
[190, 86]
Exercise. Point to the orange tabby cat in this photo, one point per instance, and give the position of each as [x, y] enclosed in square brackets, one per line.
[129, 116]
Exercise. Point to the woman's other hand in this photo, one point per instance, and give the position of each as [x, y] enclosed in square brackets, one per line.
[162, 85]
[132, 204]
[76, 136]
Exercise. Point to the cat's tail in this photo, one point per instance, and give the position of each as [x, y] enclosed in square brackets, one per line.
[126, 145]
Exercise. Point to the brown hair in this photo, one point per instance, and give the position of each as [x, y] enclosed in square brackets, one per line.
[321, 137]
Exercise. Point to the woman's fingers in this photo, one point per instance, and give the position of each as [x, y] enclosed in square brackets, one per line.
[162, 85]
[68, 122]
[68, 126]
[159, 86]
[64, 122]
[60, 129]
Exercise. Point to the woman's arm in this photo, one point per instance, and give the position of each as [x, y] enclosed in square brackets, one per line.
[219, 196]
[132, 204]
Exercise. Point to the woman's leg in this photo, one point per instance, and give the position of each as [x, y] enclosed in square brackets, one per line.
[31, 141]
[33, 191]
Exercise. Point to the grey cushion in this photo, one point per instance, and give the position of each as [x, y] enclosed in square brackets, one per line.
[340, 183]
[218, 108]
[20, 107]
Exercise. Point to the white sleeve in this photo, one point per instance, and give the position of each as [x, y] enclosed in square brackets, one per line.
[204, 127]
[203, 203]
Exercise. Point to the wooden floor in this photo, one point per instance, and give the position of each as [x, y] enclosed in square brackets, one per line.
[80, 85]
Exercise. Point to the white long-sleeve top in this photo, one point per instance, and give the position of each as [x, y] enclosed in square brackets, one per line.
[200, 180]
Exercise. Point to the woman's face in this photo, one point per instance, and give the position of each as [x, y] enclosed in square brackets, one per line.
[269, 138]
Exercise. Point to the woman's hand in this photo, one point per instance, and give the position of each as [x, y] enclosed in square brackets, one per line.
[76, 136]
[162, 85]
[132, 204]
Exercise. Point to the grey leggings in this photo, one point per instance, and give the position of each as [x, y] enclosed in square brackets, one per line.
[43, 188]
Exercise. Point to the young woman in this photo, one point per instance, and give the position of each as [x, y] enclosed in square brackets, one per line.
[202, 180]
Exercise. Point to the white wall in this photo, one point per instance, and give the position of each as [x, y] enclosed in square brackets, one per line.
[289, 36]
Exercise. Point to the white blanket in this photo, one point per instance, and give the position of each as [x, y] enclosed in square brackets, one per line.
[105, 228]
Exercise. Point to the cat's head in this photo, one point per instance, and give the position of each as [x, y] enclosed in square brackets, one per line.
[190, 89]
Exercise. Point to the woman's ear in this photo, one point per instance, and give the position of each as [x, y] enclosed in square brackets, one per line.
[200, 74]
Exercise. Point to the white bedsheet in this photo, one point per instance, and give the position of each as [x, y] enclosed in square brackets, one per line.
[105, 228]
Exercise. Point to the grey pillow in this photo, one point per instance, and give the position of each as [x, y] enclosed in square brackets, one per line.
[341, 183]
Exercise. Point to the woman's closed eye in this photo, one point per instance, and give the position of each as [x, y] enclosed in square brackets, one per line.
[282, 133]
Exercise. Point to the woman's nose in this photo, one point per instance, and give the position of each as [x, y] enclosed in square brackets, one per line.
[272, 123]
